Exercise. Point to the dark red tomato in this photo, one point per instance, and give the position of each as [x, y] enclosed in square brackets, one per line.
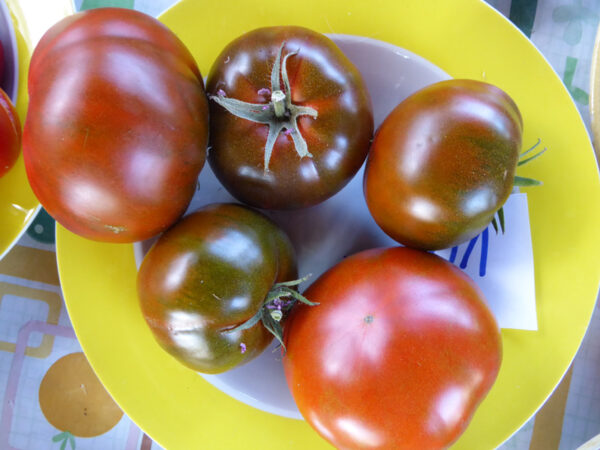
[10, 134]
[291, 118]
[399, 353]
[443, 162]
[206, 277]
[117, 125]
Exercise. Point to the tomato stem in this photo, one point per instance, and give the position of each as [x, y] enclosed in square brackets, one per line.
[279, 114]
[278, 100]
[277, 315]
[276, 306]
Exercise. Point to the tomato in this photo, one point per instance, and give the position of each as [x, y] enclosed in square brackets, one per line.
[10, 134]
[291, 118]
[116, 131]
[399, 353]
[206, 278]
[443, 162]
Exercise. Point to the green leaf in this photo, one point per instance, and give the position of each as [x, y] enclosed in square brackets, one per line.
[276, 71]
[294, 282]
[531, 158]
[91, 4]
[274, 131]
[495, 224]
[299, 142]
[523, 181]
[278, 291]
[274, 293]
[255, 112]
[275, 114]
[59, 436]
[564, 13]
[72, 441]
[501, 218]
[578, 94]
[304, 300]
[570, 66]
[248, 323]
[286, 80]
[573, 32]
[273, 326]
[530, 149]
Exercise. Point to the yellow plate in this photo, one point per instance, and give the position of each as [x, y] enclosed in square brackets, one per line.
[18, 204]
[466, 38]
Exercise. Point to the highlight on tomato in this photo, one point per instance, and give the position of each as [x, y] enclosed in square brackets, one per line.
[399, 353]
[117, 126]
[291, 118]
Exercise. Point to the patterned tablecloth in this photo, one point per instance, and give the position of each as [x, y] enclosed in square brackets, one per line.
[49, 396]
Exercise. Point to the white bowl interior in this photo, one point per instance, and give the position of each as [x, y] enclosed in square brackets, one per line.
[324, 234]
[9, 80]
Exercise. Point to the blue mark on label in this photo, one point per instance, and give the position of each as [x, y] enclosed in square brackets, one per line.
[464, 262]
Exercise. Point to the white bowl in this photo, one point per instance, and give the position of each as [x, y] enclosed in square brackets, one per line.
[10, 80]
[326, 233]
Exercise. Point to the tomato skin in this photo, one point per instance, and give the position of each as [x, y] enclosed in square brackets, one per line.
[117, 125]
[443, 162]
[10, 134]
[398, 354]
[209, 273]
[321, 77]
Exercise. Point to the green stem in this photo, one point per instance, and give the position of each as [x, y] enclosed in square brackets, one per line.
[279, 100]
[279, 114]
[274, 308]
[501, 218]
[523, 181]
[277, 315]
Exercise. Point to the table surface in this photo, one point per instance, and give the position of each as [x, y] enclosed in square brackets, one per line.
[42, 369]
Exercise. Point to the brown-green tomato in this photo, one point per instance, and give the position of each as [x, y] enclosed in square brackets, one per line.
[443, 163]
[209, 274]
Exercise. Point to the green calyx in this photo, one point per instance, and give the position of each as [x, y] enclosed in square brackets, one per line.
[280, 114]
[276, 306]
[524, 158]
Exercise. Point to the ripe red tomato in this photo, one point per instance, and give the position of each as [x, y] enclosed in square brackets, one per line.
[10, 134]
[116, 131]
[208, 275]
[399, 353]
[291, 118]
[443, 162]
